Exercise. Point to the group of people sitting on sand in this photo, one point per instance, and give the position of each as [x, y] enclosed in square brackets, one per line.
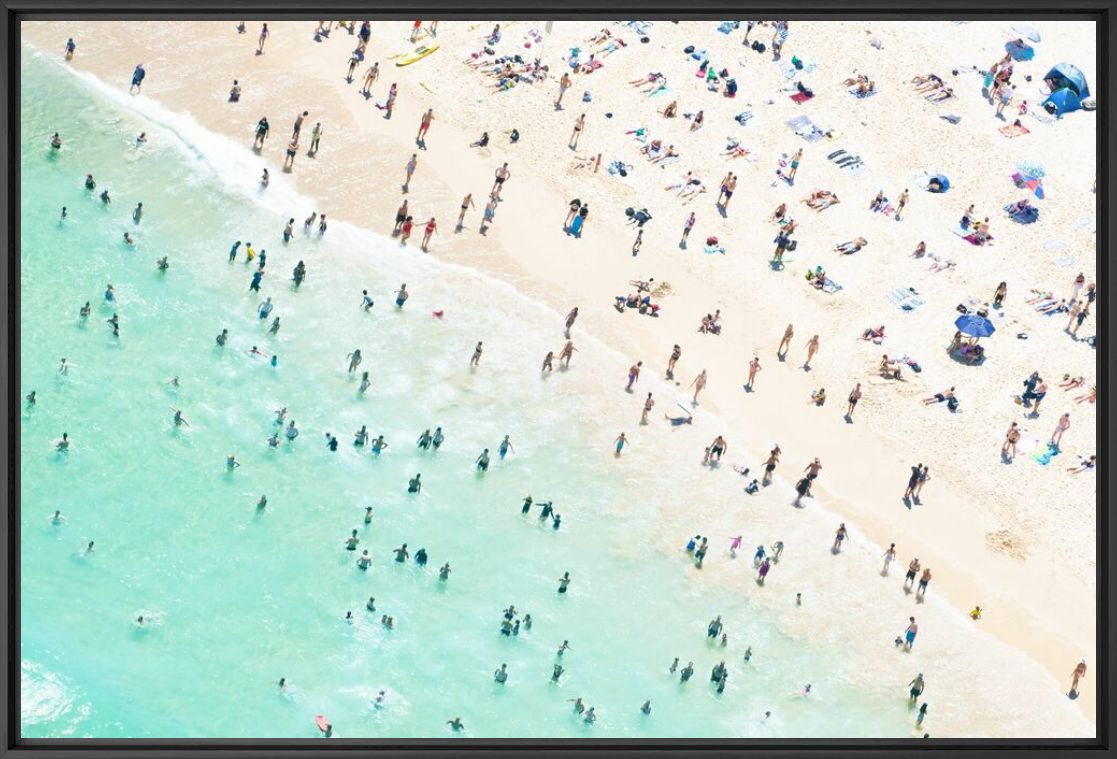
[860, 85]
[711, 323]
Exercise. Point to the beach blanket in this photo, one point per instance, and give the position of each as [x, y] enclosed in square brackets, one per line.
[1029, 215]
[968, 235]
[1014, 130]
[905, 298]
[805, 128]
[801, 97]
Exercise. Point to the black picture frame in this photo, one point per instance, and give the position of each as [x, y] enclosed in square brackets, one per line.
[13, 747]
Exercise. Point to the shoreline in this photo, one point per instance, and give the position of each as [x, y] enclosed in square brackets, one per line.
[958, 584]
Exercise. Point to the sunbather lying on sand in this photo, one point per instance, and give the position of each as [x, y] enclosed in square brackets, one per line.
[940, 95]
[1040, 296]
[941, 264]
[1051, 307]
[926, 83]
[652, 77]
[600, 37]
[820, 200]
[876, 334]
[851, 247]
[1071, 384]
[1090, 397]
[669, 153]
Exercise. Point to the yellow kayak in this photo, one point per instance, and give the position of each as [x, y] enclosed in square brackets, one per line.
[416, 55]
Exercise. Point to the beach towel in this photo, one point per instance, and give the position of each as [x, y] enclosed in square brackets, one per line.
[951, 118]
[905, 299]
[1029, 215]
[830, 286]
[798, 123]
[1014, 130]
[862, 95]
[1044, 455]
[801, 97]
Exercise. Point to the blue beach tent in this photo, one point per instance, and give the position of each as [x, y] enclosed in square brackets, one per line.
[1067, 76]
[1062, 101]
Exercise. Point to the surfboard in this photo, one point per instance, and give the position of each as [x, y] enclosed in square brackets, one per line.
[322, 722]
[417, 54]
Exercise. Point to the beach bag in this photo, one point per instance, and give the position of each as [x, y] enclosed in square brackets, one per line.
[792, 244]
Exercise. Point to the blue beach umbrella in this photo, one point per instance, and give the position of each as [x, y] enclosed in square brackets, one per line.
[974, 325]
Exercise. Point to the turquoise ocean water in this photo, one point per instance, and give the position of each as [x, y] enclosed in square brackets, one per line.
[242, 598]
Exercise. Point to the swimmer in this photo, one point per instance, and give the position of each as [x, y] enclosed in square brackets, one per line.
[354, 359]
[483, 461]
[579, 707]
[748, 654]
[162, 264]
[55, 142]
[262, 503]
[401, 553]
[57, 518]
[360, 437]
[414, 485]
[566, 647]
[365, 383]
[916, 688]
[31, 398]
[556, 673]
[590, 717]
[63, 443]
[64, 368]
[282, 684]
[401, 296]
[686, 672]
[436, 441]
[366, 300]
[505, 447]
[352, 541]
[805, 692]
[444, 571]
[128, 239]
[371, 604]
[179, 418]
[378, 702]
[110, 294]
[378, 445]
[501, 675]
[273, 441]
[421, 557]
[364, 561]
[231, 462]
[138, 213]
[456, 723]
[647, 707]
[368, 515]
[85, 311]
[280, 415]
[564, 582]
[292, 431]
[63, 216]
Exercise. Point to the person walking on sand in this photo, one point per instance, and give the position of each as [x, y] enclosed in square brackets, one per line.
[1060, 428]
[405, 231]
[648, 404]
[676, 354]
[401, 217]
[467, 203]
[785, 343]
[812, 348]
[1008, 450]
[315, 138]
[371, 76]
[424, 125]
[633, 375]
[262, 129]
[564, 85]
[70, 48]
[698, 384]
[264, 34]
[687, 226]
[476, 359]
[579, 124]
[1078, 674]
[901, 203]
[754, 367]
[620, 443]
[292, 148]
[794, 166]
[410, 168]
[502, 175]
[923, 477]
[854, 397]
[913, 480]
[570, 318]
[137, 78]
[429, 230]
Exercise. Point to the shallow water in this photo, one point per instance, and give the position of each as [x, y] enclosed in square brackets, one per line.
[241, 598]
